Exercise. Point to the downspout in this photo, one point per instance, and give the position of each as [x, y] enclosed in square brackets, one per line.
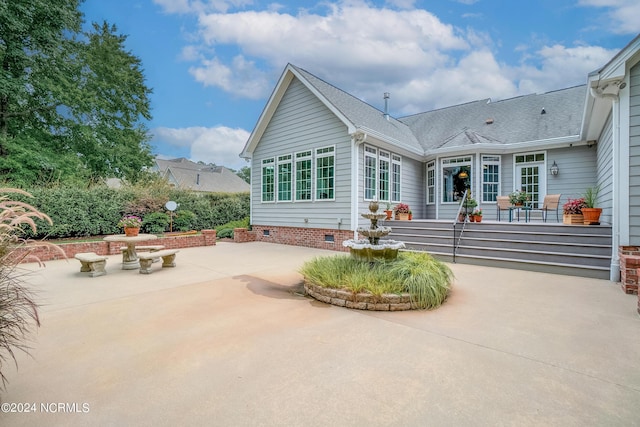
[357, 139]
[614, 268]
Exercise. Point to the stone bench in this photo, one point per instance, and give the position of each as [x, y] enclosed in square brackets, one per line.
[92, 263]
[146, 259]
[151, 248]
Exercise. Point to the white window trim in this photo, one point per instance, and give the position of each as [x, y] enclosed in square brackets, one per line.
[295, 173]
[431, 165]
[490, 162]
[271, 161]
[279, 161]
[396, 159]
[370, 152]
[314, 184]
[447, 161]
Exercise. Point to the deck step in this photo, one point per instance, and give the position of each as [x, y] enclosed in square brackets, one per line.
[555, 248]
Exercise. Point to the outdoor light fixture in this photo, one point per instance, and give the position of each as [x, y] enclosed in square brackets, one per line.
[554, 169]
[463, 175]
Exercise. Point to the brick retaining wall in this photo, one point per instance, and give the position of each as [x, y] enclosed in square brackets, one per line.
[44, 253]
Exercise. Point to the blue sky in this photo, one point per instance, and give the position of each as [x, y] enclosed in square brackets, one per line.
[212, 64]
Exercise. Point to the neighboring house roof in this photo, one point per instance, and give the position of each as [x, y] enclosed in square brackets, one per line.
[549, 118]
[186, 174]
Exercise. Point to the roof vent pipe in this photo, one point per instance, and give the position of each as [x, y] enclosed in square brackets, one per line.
[386, 105]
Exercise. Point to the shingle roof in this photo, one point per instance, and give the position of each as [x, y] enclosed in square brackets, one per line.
[508, 121]
[363, 115]
[513, 120]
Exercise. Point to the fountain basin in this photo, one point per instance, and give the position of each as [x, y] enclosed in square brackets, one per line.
[363, 250]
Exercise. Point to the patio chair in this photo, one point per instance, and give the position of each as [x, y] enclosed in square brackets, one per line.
[503, 204]
[551, 202]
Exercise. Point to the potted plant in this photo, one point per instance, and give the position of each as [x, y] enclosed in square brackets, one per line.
[590, 213]
[518, 198]
[469, 205]
[389, 211]
[477, 215]
[410, 215]
[402, 211]
[572, 211]
[131, 225]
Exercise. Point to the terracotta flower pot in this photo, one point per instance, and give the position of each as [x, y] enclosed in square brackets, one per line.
[131, 231]
[591, 216]
[478, 218]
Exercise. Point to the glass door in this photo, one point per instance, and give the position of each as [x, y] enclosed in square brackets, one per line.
[530, 180]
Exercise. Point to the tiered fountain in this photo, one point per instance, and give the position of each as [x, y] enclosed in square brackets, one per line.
[372, 248]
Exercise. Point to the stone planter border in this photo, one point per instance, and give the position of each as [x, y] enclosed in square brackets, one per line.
[360, 301]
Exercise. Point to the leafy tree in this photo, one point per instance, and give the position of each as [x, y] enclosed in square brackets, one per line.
[245, 173]
[71, 102]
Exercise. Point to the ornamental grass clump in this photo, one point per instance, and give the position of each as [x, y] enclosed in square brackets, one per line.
[18, 309]
[426, 279]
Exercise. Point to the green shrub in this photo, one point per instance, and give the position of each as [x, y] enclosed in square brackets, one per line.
[184, 220]
[155, 223]
[225, 233]
[94, 211]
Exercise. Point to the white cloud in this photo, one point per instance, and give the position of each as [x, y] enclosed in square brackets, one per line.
[424, 62]
[241, 77]
[220, 145]
[198, 6]
[560, 65]
[624, 14]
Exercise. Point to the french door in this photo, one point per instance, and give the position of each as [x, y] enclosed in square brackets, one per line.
[531, 179]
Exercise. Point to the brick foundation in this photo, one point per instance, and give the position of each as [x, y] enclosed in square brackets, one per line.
[319, 238]
[629, 266]
[44, 253]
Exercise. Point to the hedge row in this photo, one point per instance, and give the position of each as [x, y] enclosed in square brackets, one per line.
[81, 212]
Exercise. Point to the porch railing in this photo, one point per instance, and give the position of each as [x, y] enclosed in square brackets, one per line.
[456, 242]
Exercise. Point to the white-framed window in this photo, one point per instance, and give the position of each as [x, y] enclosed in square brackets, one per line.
[384, 177]
[396, 175]
[382, 171]
[490, 178]
[431, 182]
[530, 175]
[285, 172]
[325, 173]
[268, 180]
[456, 177]
[370, 172]
[304, 175]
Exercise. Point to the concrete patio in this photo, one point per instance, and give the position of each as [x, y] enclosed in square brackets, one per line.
[227, 339]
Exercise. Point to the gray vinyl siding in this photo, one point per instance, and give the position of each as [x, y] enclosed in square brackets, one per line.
[577, 171]
[301, 122]
[605, 171]
[634, 156]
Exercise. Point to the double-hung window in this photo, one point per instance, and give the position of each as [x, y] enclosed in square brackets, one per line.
[303, 176]
[370, 172]
[284, 178]
[431, 182]
[384, 176]
[490, 178]
[268, 180]
[396, 167]
[325, 173]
